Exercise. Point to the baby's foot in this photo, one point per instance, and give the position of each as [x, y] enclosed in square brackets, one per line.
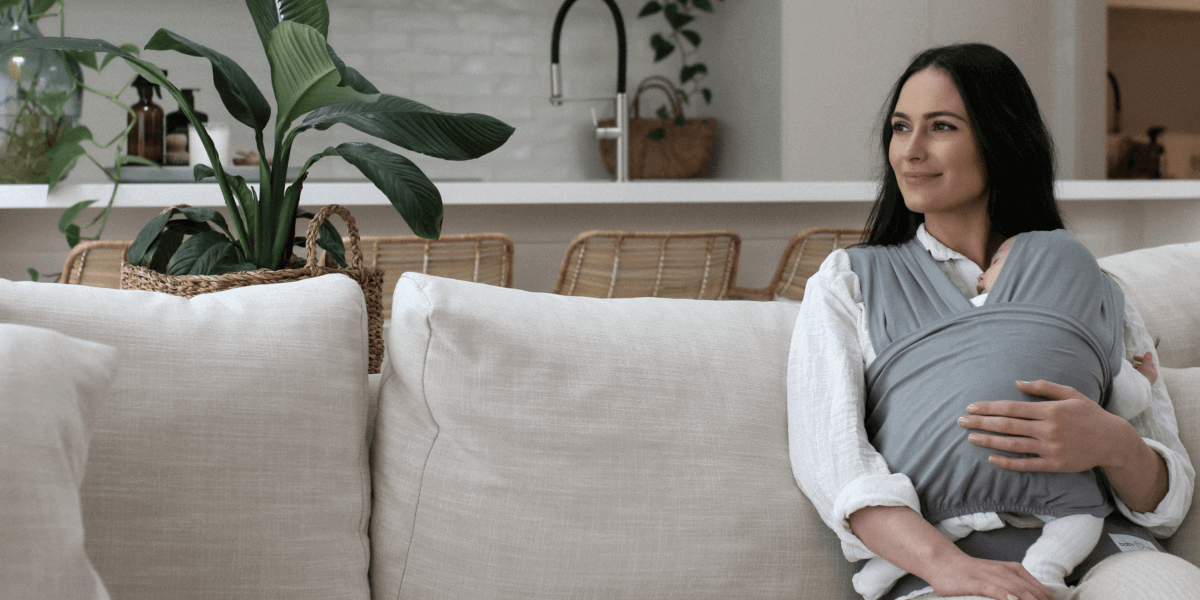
[1061, 591]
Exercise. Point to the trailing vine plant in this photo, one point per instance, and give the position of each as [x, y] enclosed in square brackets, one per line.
[679, 14]
[69, 146]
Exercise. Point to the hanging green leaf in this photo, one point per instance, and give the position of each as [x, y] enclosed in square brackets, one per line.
[675, 17]
[650, 8]
[83, 57]
[68, 217]
[657, 133]
[662, 112]
[404, 184]
[704, 5]
[240, 96]
[42, 6]
[690, 71]
[707, 95]
[692, 37]
[66, 152]
[662, 48]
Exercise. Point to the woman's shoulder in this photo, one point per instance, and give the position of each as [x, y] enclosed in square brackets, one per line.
[835, 277]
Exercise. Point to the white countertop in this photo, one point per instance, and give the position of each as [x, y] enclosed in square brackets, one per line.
[590, 192]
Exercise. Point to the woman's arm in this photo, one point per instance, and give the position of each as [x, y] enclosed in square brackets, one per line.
[907, 540]
[833, 462]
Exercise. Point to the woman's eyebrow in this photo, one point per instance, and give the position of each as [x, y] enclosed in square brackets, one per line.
[931, 115]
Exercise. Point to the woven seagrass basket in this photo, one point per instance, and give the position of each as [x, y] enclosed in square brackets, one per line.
[684, 151]
[370, 279]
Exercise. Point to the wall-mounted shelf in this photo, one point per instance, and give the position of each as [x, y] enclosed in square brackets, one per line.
[560, 193]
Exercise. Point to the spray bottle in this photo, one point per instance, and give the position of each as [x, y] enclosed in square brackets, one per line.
[147, 135]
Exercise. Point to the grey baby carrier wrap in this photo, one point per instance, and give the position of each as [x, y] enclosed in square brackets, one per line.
[1052, 315]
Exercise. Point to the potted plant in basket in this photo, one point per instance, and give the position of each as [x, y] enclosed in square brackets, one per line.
[313, 90]
[670, 146]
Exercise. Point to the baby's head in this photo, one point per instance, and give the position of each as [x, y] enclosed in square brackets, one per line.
[988, 278]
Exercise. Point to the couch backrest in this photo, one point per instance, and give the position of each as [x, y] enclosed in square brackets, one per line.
[537, 446]
[1161, 283]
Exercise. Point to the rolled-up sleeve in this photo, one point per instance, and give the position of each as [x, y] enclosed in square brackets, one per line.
[833, 462]
[1160, 431]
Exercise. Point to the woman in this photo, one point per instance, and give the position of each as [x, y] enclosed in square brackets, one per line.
[969, 163]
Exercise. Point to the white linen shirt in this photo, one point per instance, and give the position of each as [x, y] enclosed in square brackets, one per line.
[833, 462]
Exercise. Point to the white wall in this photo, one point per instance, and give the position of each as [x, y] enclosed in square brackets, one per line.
[840, 59]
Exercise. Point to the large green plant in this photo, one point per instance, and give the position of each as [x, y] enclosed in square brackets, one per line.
[679, 15]
[313, 86]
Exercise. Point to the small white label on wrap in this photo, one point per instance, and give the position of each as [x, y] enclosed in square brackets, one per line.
[1128, 542]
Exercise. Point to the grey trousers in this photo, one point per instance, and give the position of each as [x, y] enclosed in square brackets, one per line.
[1143, 575]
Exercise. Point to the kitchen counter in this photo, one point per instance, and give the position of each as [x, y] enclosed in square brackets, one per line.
[561, 193]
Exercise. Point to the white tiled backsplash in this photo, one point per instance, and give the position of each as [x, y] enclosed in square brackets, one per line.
[486, 56]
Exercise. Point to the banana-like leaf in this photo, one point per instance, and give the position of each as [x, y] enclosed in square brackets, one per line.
[164, 247]
[269, 13]
[238, 92]
[412, 125]
[200, 253]
[404, 184]
[160, 238]
[303, 75]
[328, 239]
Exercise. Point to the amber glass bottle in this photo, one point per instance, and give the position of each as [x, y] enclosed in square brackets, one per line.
[147, 136]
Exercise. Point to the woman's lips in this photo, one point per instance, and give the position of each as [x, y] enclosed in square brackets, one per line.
[918, 178]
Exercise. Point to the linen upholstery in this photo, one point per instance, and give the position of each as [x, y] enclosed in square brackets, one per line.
[539, 446]
[229, 459]
[1184, 387]
[1160, 283]
[52, 385]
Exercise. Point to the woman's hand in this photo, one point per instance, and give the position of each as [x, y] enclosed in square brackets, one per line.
[902, 537]
[1069, 434]
[967, 576]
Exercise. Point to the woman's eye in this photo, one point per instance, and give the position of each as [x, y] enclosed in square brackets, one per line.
[899, 126]
[943, 126]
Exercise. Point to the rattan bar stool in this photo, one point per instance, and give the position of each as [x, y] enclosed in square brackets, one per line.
[478, 257]
[801, 259]
[96, 263]
[666, 264]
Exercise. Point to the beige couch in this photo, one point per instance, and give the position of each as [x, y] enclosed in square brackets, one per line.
[516, 445]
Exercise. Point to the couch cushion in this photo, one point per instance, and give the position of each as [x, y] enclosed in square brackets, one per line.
[1159, 283]
[229, 459]
[538, 446]
[51, 385]
[1184, 387]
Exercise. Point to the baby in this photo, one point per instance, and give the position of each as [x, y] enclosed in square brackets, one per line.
[1131, 394]
[1066, 540]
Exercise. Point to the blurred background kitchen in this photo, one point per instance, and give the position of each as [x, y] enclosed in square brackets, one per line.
[797, 89]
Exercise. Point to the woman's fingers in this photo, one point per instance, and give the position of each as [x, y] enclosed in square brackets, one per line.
[1068, 433]
[992, 579]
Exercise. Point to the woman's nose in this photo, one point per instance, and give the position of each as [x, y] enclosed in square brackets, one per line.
[914, 146]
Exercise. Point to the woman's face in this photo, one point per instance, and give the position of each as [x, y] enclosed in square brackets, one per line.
[934, 151]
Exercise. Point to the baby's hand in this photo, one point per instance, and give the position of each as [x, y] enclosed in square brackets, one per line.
[1145, 365]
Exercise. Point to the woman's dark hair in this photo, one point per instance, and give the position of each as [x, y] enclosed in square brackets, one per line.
[1013, 140]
